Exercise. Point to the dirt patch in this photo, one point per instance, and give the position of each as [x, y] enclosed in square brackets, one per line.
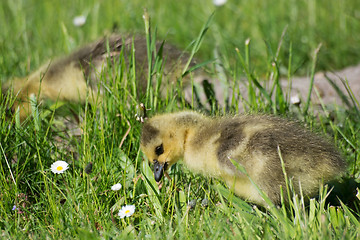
[326, 90]
[325, 85]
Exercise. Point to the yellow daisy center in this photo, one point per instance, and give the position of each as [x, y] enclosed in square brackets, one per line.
[127, 211]
[59, 168]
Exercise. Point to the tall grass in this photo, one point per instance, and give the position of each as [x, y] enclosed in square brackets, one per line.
[35, 203]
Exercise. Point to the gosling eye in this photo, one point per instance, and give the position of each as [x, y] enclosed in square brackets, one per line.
[159, 150]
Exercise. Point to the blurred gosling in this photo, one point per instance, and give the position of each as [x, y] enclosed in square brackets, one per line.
[75, 78]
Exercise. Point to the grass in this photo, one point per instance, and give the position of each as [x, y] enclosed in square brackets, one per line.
[79, 203]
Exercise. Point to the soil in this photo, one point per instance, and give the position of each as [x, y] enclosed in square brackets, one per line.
[347, 81]
[349, 77]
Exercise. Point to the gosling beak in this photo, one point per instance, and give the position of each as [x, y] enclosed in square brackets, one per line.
[159, 170]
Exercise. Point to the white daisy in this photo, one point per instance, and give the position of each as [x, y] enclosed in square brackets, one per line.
[219, 2]
[59, 167]
[116, 187]
[78, 21]
[295, 99]
[126, 211]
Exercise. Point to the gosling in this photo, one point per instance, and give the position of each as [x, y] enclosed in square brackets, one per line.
[75, 78]
[256, 142]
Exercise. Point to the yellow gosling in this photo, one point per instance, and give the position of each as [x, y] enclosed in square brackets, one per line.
[207, 144]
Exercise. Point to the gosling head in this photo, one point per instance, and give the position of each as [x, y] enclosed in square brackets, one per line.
[162, 141]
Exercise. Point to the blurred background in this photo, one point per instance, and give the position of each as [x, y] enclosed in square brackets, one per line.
[33, 31]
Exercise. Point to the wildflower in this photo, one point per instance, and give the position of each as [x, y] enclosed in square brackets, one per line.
[205, 202]
[295, 99]
[192, 204]
[78, 21]
[59, 167]
[141, 113]
[219, 3]
[14, 208]
[116, 187]
[126, 211]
